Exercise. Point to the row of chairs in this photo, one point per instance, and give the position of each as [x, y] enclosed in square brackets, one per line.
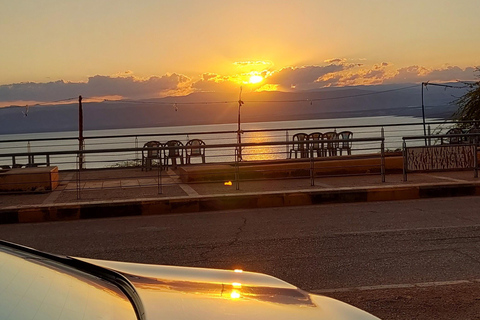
[322, 145]
[172, 150]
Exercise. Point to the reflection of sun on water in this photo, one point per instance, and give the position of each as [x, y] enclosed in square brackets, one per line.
[259, 152]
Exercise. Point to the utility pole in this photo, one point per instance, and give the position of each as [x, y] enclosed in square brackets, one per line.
[80, 133]
[424, 84]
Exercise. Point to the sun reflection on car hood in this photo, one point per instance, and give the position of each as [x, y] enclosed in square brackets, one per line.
[170, 292]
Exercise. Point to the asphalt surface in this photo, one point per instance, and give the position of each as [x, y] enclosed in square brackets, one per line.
[333, 249]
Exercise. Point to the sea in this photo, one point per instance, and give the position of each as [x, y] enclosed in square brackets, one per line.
[394, 128]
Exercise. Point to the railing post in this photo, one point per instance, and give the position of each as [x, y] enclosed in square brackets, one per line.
[286, 145]
[237, 170]
[475, 157]
[136, 151]
[404, 160]
[79, 168]
[159, 173]
[429, 136]
[312, 171]
[382, 146]
[30, 158]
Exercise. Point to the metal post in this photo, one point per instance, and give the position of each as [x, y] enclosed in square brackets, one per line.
[429, 136]
[286, 146]
[382, 166]
[423, 114]
[78, 177]
[159, 174]
[312, 172]
[404, 160]
[475, 157]
[80, 131]
[136, 151]
[30, 160]
[237, 170]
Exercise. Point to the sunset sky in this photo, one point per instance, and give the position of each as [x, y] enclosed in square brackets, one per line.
[154, 48]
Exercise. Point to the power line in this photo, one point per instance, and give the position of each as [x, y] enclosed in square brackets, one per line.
[466, 85]
[166, 103]
[342, 97]
[130, 101]
[260, 101]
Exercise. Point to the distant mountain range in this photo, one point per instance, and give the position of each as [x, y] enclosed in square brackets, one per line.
[215, 108]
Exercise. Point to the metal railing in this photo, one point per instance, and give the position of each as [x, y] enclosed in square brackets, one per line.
[115, 172]
[393, 134]
[161, 181]
[441, 152]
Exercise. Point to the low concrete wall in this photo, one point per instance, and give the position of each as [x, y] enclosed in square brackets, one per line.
[38, 179]
[292, 168]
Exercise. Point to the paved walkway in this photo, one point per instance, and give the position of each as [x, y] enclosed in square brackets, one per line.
[117, 187]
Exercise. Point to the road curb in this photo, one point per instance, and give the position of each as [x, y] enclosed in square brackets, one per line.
[146, 207]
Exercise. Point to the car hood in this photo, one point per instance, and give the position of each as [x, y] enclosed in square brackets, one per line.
[169, 292]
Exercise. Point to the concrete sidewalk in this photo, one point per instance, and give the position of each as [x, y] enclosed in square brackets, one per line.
[129, 192]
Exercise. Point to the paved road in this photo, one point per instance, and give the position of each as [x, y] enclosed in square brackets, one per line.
[315, 247]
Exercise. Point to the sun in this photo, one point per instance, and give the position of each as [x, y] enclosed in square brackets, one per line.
[255, 79]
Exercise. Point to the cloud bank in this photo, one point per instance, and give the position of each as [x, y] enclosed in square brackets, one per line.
[333, 73]
[97, 86]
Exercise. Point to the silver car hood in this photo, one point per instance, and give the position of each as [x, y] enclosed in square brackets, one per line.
[169, 292]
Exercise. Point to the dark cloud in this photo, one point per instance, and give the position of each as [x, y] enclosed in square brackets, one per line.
[418, 74]
[129, 87]
[334, 61]
[40, 91]
[331, 80]
[209, 76]
[211, 82]
[303, 77]
[381, 66]
[452, 73]
[377, 74]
